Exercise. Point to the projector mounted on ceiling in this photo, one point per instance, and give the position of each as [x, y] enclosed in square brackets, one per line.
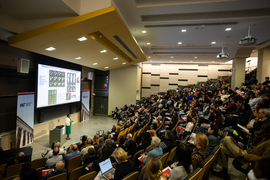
[248, 40]
[223, 55]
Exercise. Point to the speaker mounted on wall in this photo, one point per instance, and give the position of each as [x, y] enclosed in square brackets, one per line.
[23, 66]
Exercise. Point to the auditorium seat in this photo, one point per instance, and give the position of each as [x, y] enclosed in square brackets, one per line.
[148, 148]
[86, 156]
[139, 152]
[141, 172]
[76, 173]
[62, 176]
[3, 167]
[89, 176]
[114, 165]
[164, 157]
[171, 155]
[205, 166]
[194, 174]
[11, 177]
[131, 176]
[129, 157]
[39, 170]
[14, 170]
[74, 163]
[37, 163]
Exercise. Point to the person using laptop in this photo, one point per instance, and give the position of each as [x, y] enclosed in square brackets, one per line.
[124, 165]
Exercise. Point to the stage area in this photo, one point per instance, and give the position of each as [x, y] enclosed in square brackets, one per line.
[88, 128]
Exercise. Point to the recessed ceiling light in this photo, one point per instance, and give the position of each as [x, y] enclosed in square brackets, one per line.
[82, 39]
[124, 63]
[143, 31]
[106, 67]
[191, 61]
[103, 51]
[195, 57]
[170, 61]
[213, 61]
[179, 42]
[78, 58]
[228, 29]
[50, 49]
[148, 43]
[184, 30]
[115, 58]
[94, 63]
[213, 42]
[150, 60]
[171, 56]
[149, 56]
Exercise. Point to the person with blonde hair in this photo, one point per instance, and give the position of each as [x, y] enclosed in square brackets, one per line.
[152, 133]
[153, 169]
[199, 153]
[155, 151]
[124, 165]
[95, 139]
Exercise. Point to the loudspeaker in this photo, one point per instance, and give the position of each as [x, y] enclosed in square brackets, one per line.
[23, 66]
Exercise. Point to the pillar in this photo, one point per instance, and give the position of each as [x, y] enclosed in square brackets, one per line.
[238, 72]
[263, 68]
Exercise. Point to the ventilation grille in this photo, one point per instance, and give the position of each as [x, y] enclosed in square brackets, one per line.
[125, 46]
[185, 25]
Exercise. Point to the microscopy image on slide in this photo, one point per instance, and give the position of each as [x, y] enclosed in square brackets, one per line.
[57, 79]
[68, 96]
[71, 82]
[52, 97]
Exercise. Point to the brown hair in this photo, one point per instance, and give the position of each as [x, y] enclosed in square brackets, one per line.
[153, 168]
[202, 140]
[91, 151]
[152, 133]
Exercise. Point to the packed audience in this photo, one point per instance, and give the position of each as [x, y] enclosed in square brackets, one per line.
[192, 120]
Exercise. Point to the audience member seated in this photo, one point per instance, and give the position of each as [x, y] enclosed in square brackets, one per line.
[242, 158]
[59, 169]
[109, 143]
[213, 139]
[91, 158]
[83, 143]
[31, 174]
[25, 167]
[144, 141]
[168, 143]
[61, 150]
[155, 151]
[94, 166]
[129, 138]
[74, 152]
[153, 169]
[182, 165]
[199, 153]
[132, 148]
[95, 140]
[100, 144]
[55, 158]
[260, 171]
[84, 151]
[124, 166]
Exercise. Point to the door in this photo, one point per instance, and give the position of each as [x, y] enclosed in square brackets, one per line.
[101, 105]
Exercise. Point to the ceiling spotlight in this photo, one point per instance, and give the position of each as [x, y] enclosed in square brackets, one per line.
[179, 42]
[103, 51]
[195, 57]
[106, 67]
[143, 31]
[228, 29]
[150, 60]
[148, 43]
[191, 61]
[184, 30]
[82, 39]
[124, 63]
[94, 63]
[149, 56]
[171, 56]
[50, 49]
[213, 42]
[213, 61]
[115, 58]
[78, 58]
[170, 61]
[100, 35]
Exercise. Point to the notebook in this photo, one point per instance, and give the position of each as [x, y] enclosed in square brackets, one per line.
[106, 168]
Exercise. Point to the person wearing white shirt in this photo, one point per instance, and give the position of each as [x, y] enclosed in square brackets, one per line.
[68, 126]
[55, 158]
[256, 100]
[61, 150]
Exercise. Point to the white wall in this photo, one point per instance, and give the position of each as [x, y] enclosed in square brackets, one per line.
[162, 77]
[123, 87]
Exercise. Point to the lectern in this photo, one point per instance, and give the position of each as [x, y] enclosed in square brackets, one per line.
[58, 134]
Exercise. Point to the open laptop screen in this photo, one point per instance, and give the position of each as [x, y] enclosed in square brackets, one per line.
[105, 166]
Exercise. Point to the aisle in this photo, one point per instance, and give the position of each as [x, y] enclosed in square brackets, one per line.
[88, 128]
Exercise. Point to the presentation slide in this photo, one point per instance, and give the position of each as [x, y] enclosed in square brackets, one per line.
[57, 85]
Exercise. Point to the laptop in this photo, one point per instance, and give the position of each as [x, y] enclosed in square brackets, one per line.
[106, 168]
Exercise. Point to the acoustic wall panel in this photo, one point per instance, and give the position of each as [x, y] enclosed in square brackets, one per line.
[154, 90]
[164, 70]
[155, 79]
[145, 92]
[147, 68]
[146, 80]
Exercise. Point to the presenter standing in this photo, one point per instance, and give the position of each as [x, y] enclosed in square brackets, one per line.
[68, 126]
